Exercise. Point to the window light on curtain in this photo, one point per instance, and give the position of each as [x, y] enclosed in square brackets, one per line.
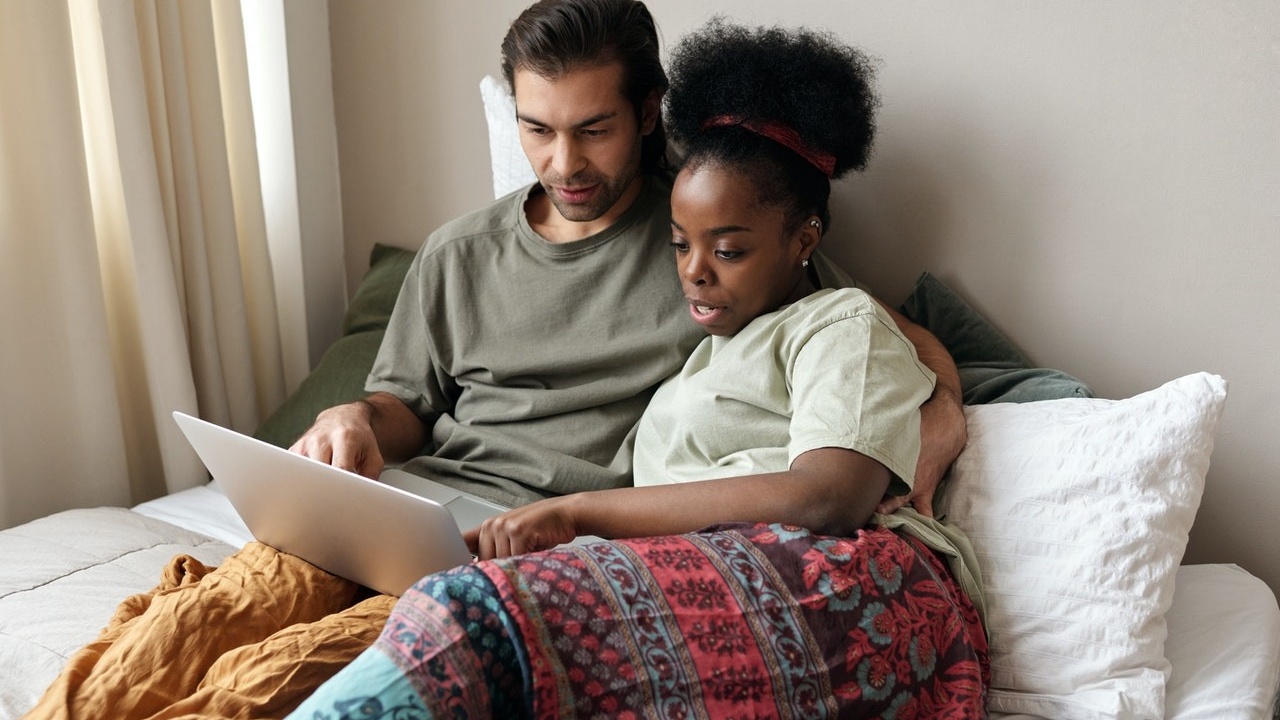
[140, 270]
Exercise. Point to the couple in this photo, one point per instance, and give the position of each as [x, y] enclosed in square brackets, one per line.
[526, 344]
[529, 337]
[792, 421]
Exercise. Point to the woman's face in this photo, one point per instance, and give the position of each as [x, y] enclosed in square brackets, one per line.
[736, 257]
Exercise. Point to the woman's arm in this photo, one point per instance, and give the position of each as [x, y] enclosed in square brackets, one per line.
[942, 427]
[828, 490]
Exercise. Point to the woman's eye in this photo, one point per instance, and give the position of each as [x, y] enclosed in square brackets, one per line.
[680, 245]
[728, 254]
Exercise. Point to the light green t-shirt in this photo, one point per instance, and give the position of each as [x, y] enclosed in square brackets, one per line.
[532, 361]
[831, 370]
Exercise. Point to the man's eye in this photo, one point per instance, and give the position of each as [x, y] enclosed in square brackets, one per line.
[593, 132]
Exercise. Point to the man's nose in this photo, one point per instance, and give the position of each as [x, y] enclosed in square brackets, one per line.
[567, 159]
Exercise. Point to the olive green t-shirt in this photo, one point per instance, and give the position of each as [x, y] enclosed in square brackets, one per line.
[531, 361]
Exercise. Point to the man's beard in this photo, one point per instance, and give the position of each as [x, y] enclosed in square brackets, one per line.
[608, 190]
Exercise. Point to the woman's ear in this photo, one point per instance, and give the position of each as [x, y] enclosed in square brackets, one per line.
[810, 236]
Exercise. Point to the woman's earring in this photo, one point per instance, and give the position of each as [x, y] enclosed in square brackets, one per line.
[812, 223]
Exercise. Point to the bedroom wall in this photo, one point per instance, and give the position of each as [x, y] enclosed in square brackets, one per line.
[1100, 179]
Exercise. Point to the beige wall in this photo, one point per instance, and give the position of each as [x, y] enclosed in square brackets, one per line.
[1101, 179]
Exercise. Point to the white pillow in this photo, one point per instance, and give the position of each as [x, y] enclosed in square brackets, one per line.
[511, 169]
[1079, 512]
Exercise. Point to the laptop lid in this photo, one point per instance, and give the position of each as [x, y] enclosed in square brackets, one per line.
[379, 536]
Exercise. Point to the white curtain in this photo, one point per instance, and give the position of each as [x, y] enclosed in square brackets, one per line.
[135, 271]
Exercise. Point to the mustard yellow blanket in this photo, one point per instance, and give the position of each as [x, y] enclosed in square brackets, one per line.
[250, 639]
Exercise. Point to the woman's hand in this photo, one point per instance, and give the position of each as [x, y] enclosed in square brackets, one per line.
[537, 526]
[828, 490]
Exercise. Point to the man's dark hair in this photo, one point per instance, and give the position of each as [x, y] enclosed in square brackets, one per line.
[554, 37]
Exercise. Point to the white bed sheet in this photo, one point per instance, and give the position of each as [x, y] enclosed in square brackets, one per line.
[61, 579]
[1224, 644]
[203, 509]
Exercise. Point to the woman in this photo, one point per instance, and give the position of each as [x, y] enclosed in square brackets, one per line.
[782, 433]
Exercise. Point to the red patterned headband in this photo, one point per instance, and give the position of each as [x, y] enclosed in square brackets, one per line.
[784, 136]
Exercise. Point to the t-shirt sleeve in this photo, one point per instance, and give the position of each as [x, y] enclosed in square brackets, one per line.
[856, 383]
[406, 365]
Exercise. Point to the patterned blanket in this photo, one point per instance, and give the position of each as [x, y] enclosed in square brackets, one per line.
[734, 622]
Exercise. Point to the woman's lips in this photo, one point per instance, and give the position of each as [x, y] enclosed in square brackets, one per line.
[704, 314]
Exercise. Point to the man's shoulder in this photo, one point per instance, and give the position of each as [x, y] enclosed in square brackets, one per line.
[499, 218]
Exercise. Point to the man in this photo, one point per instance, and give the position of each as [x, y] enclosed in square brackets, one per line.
[529, 335]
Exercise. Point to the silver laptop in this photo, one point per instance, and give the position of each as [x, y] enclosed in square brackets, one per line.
[383, 535]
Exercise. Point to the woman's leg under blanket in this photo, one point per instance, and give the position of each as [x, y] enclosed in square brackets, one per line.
[761, 620]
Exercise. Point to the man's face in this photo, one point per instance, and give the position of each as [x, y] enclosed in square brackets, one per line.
[582, 137]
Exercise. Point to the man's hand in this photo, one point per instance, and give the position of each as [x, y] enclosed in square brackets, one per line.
[942, 429]
[538, 526]
[942, 436]
[343, 436]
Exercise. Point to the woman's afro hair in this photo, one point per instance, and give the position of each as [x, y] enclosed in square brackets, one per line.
[807, 80]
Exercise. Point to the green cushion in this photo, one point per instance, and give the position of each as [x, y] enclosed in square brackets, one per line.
[991, 368]
[340, 376]
[370, 308]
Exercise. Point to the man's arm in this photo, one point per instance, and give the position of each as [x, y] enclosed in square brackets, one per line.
[362, 436]
[942, 427]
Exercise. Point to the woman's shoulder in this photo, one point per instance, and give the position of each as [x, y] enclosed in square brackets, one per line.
[836, 312]
[835, 304]
[830, 313]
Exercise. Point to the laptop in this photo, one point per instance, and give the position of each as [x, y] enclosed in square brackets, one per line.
[384, 534]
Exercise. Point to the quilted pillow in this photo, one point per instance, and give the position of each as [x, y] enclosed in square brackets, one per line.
[1079, 511]
[510, 166]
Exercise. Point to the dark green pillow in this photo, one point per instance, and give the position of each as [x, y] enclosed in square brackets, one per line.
[340, 376]
[991, 369]
[370, 308]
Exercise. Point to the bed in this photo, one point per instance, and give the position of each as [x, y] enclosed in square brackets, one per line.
[1222, 649]
[1079, 509]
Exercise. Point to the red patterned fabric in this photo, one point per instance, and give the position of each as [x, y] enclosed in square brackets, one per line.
[734, 622]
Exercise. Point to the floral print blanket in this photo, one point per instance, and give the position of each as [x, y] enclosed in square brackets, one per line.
[738, 621]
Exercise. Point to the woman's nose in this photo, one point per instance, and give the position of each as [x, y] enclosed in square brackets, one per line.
[695, 270]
